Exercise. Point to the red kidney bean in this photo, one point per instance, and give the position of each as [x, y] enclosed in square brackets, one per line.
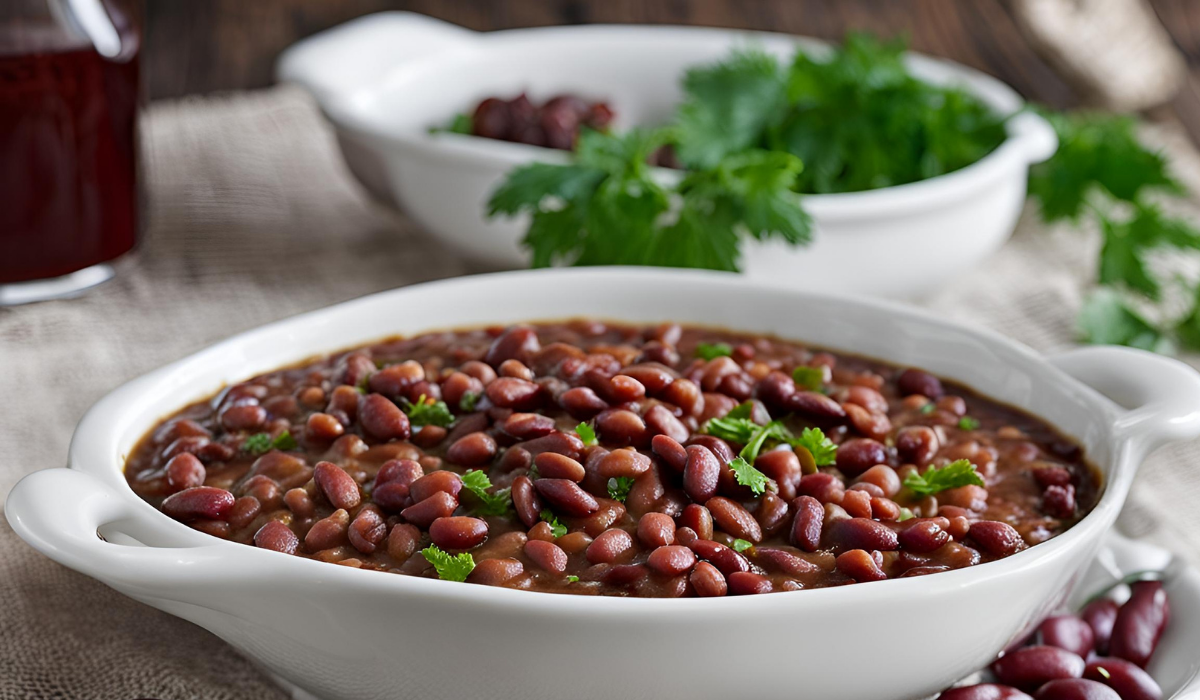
[582, 403]
[623, 574]
[916, 444]
[472, 450]
[609, 546]
[771, 514]
[857, 503]
[1068, 632]
[685, 394]
[457, 386]
[655, 377]
[873, 425]
[367, 530]
[458, 532]
[240, 417]
[398, 471]
[1075, 689]
[422, 514]
[526, 426]
[983, 691]
[606, 516]
[402, 541]
[216, 528]
[996, 538]
[861, 533]
[1101, 615]
[546, 555]
[656, 530]
[647, 494]
[722, 557]
[861, 565]
[622, 427]
[566, 496]
[433, 482]
[660, 421]
[1059, 501]
[563, 443]
[382, 419]
[184, 471]
[265, 490]
[243, 512]
[338, 486]
[277, 536]
[515, 368]
[970, 497]
[717, 446]
[496, 572]
[517, 394]
[1051, 476]
[857, 455]
[748, 583]
[1030, 667]
[625, 462]
[784, 562]
[671, 560]
[525, 501]
[774, 389]
[923, 537]
[733, 519]
[516, 343]
[1130, 681]
[826, 488]
[673, 454]
[813, 405]
[395, 380]
[1140, 623]
[299, 502]
[708, 581]
[685, 536]
[698, 519]
[808, 523]
[783, 466]
[198, 502]
[884, 477]
[701, 474]
[322, 427]
[915, 381]
[328, 532]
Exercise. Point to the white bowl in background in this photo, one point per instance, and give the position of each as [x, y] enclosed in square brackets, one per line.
[383, 80]
[367, 635]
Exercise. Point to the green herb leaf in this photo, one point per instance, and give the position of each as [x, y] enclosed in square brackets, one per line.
[618, 487]
[586, 434]
[928, 408]
[968, 423]
[810, 378]
[747, 475]
[478, 483]
[905, 514]
[935, 480]
[426, 412]
[1106, 319]
[740, 545]
[257, 444]
[462, 123]
[711, 351]
[572, 579]
[556, 528]
[822, 449]
[449, 568]
[467, 403]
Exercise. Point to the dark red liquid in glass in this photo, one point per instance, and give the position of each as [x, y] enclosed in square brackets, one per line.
[68, 191]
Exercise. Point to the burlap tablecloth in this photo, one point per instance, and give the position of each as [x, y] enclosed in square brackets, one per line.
[254, 218]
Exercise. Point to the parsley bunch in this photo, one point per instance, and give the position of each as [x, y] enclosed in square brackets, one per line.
[1102, 172]
[937, 479]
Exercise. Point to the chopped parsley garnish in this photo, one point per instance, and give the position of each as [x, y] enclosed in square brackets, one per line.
[709, 351]
[754, 436]
[260, 443]
[556, 528]
[586, 434]
[822, 449]
[428, 412]
[935, 480]
[478, 483]
[740, 545]
[449, 567]
[572, 579]
[810, 378]
[467, 403]
[928, 408]
[618, 487]
[747, 475]
[968, 423]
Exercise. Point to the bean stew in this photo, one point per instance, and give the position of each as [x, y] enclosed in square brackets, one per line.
[598, 458]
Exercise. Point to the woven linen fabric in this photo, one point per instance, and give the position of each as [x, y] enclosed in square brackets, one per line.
[252, 218]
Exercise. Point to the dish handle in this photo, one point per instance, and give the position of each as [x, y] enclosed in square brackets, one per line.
[1161, 395]
[351, 56]
[60, 513]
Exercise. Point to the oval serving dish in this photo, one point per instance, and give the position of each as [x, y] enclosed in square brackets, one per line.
[348, 633]
[383, 80]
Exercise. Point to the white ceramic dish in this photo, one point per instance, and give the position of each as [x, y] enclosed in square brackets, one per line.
[352, 634]
[385, 79]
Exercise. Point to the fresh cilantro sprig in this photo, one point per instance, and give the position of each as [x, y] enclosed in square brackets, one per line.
[449, 567]
[261, 443]
[822, 449]
[428, 412]
[747, 475]
[467, 403]
[556, 528]
[711, 351]
[586, 434]
[478, 483]
[618, 487]
[737, 427]
[937, 479]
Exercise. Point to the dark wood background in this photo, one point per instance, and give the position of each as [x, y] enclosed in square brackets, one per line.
[199, 46]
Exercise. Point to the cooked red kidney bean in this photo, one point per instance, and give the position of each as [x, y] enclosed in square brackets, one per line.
[609, 546]
[747, 583]
[1140, 623]
[277, 536]
[496, 572]
[458, 532]
[185, 471]
[671, 560]
[1101, 615]
[1029, 667]
[1075, 689]
[1130, 681]
[983, 691]
[383, 419]
[198, 502]
[328, 532]
[648, 404]
[915, 381]
[566, 496]
[1068, 632]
